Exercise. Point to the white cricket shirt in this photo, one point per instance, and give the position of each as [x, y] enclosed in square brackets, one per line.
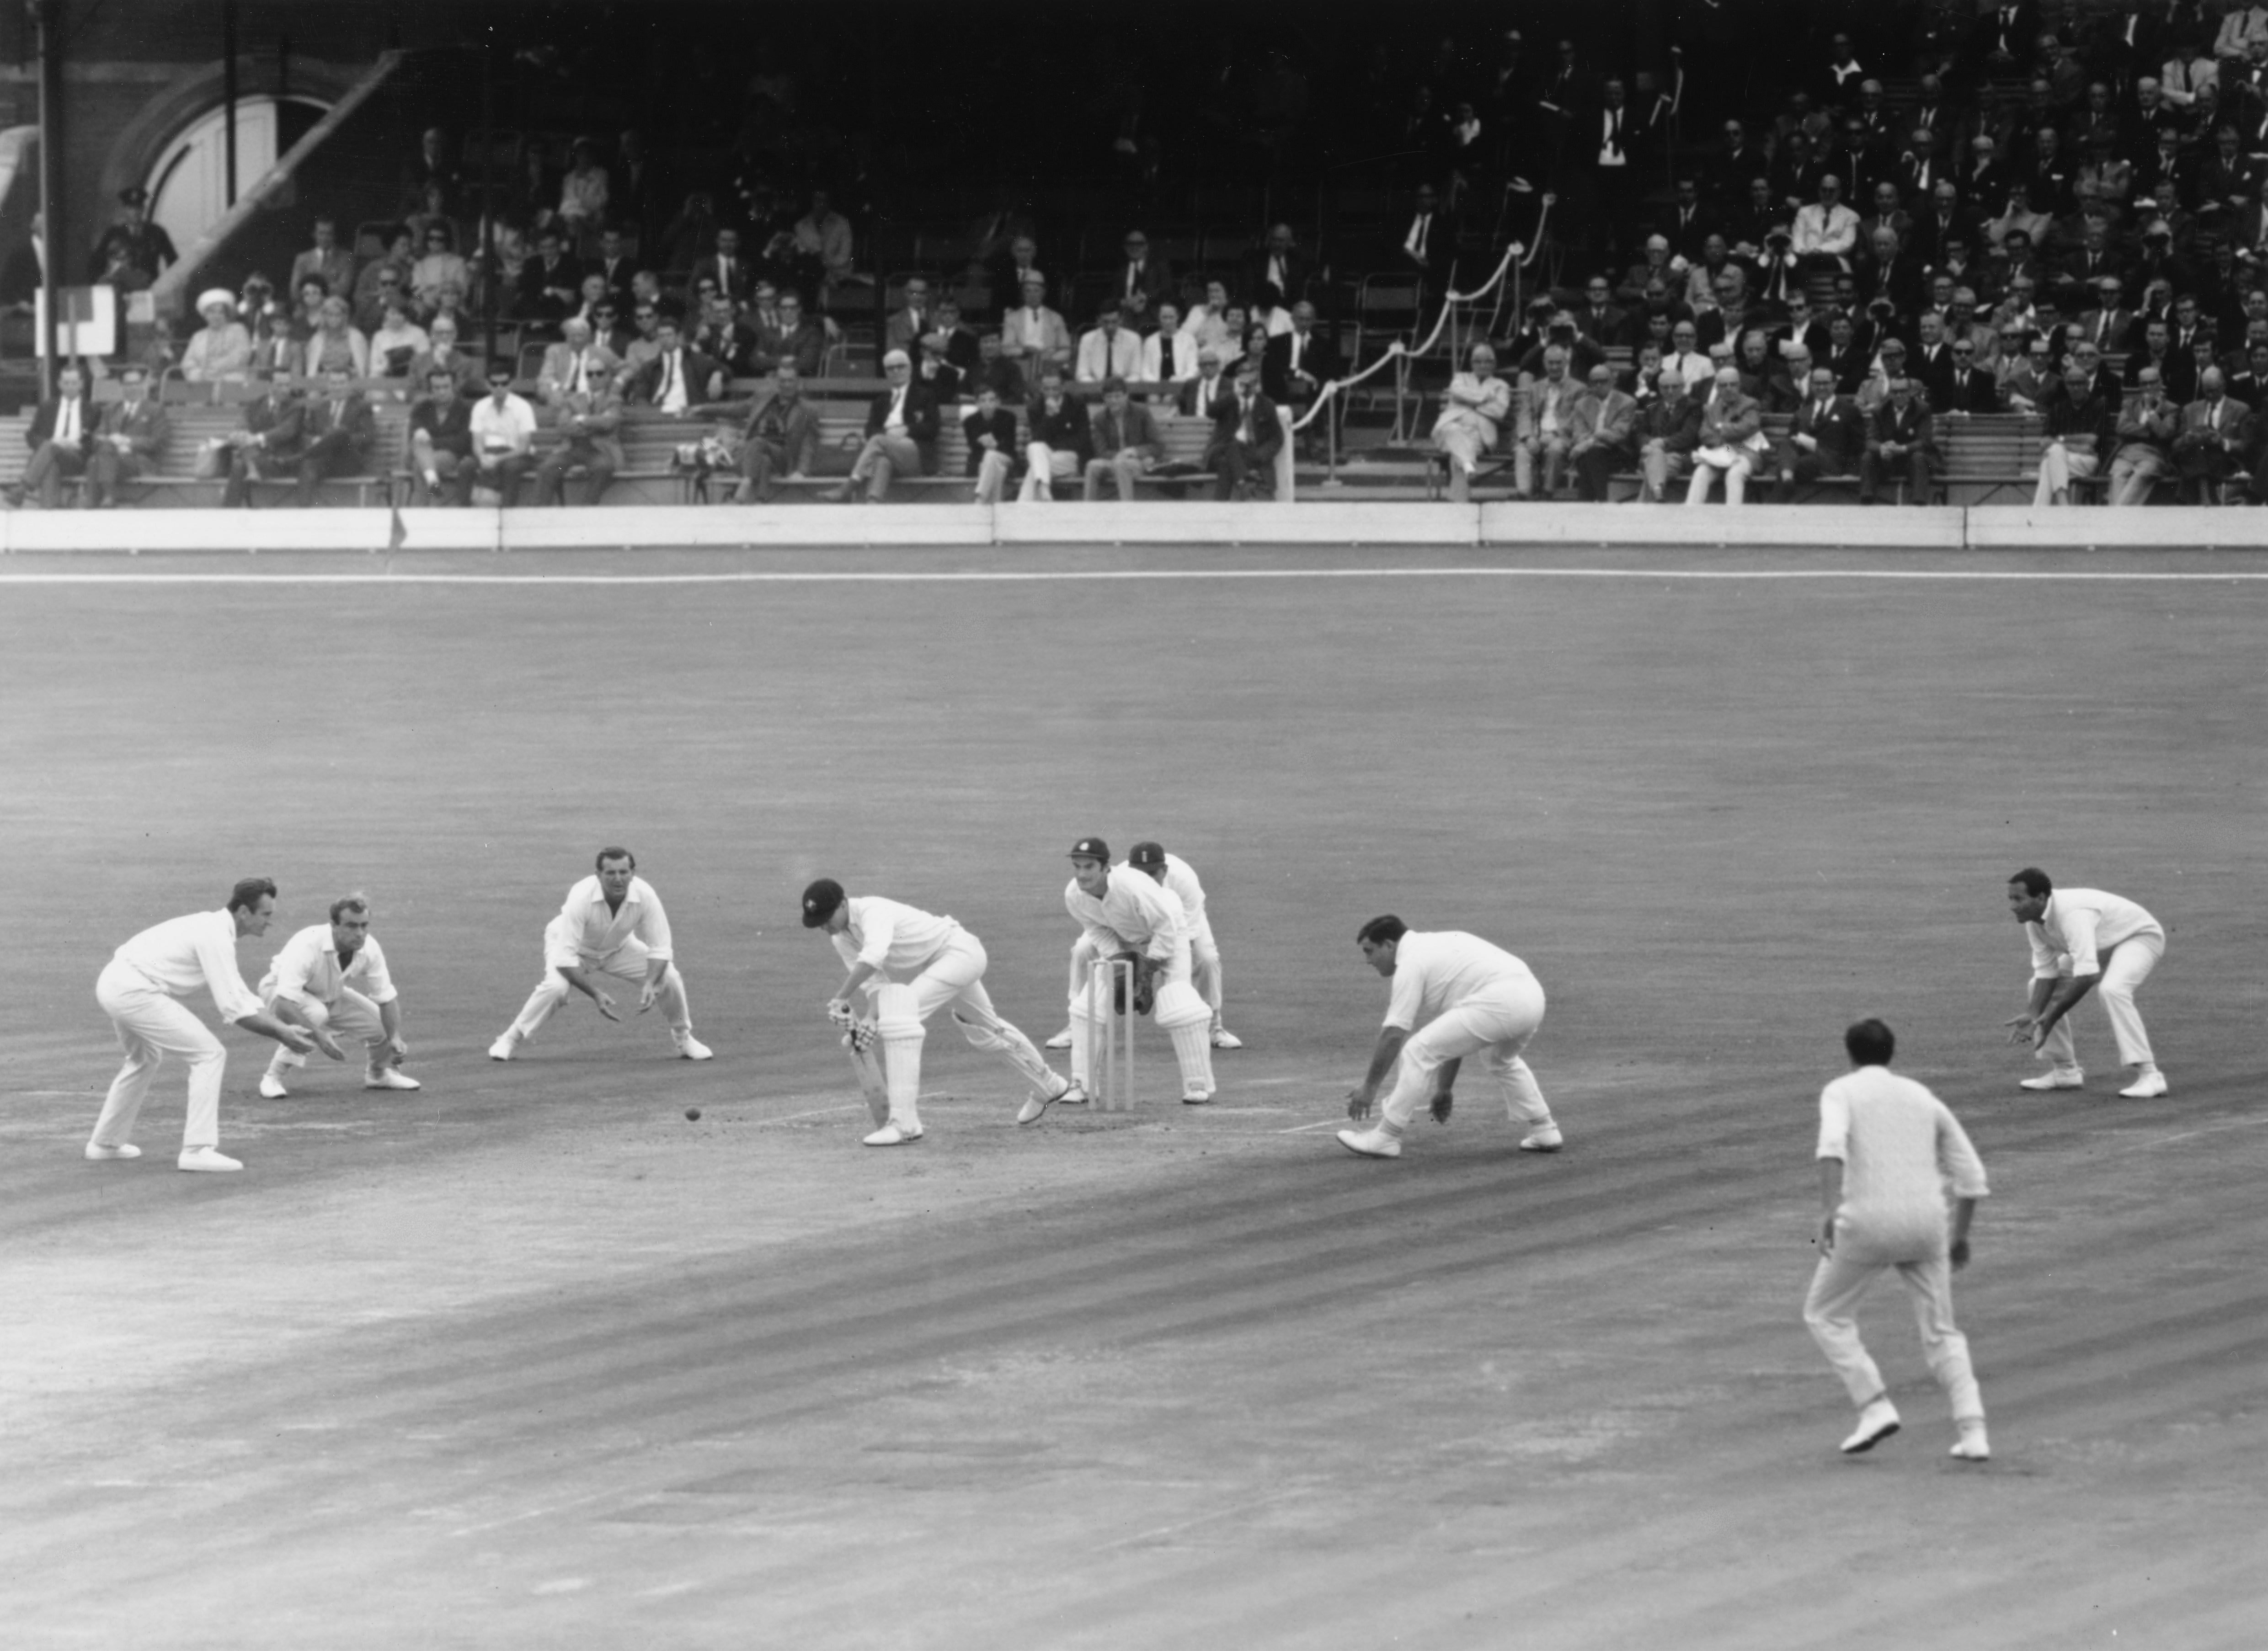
[1899, 1146]
[308, 967]
[1436, 972]
[896, 940]
[1136, 913]
[587, 929]
[2077, 923]
[183, 953]
[1182, 878]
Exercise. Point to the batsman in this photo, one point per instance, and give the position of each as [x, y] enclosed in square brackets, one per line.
[907, 964]
[1126, 913]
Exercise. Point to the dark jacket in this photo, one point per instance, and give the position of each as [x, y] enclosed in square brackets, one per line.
[1002, 429]
[1067, 429]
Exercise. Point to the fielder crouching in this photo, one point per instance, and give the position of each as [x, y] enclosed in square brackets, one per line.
[332, 978]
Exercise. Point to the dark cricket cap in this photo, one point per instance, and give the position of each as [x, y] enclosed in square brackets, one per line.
[1146, 856]
[820, 901]
[1091, 848]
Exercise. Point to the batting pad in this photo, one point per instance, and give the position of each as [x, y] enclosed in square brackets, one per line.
[1178, 1004]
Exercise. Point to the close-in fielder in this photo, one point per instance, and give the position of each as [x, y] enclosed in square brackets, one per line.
[332, 977]
[1123, 912]
[1178, 875]
[1887, 1148]
[137, 989]
[909, 964]
[612, 923]
[1455, 995]
[2083, 940]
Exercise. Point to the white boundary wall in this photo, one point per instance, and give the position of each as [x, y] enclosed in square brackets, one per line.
[1360, 522]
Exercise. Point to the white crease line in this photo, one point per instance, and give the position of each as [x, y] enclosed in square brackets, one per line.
[1328, 1123]
[848, 1106]
[2192, 1134]
[1040, 576]
[538, 1513]
[1202, 1519]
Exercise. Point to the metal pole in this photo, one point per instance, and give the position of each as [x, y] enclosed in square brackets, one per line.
[228, 90]
[47, 17]
[491, 270]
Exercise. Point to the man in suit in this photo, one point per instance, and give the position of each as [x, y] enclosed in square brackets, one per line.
[1062, 439]
[901, 433]
[1428, 244]
[1688, 221]
[568, 366]
[1971, 388]
[1544, 423]
[1731, 419]
[2206, 451]
[1932, 360]
[676, 379]
[781, 437]
[2048, 178]
[1734, 167]
[1146, 280]
[1668, 431]
[1294, 370]
[1197, 398]
[61, 436]
[1245, 438]
[1108, 350]
[338, 430]
[728, 267]
[128, 439]
[325, 261]
[267, 435]
[789, 341]
[1898, 439]
[1126, 444]
[989, 432]
[995, 371]
[1611, 141]
[1033, 335]
[550, 283]
[1602, 431]
[443, 356]
[2110, 322]
[1825, 434]
[1278, 262]
[2086, 265]
[906, 325]
[616, 266]
[2146, 430]
[2001, 40]
[440, 441]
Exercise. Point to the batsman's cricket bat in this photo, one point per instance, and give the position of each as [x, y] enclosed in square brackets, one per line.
[867, 1064]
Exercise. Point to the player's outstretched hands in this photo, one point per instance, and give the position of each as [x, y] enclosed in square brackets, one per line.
[605, 1004]
[328, 1043]
[296, 1040]
[1444, 1104]
[649, 995]
[2024, 1029]
[1359, 1103]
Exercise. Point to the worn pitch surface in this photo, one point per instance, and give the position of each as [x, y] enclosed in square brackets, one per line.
[529, 1359]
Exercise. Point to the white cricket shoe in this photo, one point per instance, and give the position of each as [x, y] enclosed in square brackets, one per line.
[892, 1135]
[1035, 1105]
[2055, 1078]
[505, 1048]
[1075, 1096]
[689, 1048]
[98, 1153]
[1972, 1445]
[1371, 1143]
[1197, 1097]
[1224, 1039]
[1061, 1040]
[1877, 1422]
[1545, 1138]
[2148, 1087]
[271, 1087]
[389, 1078]
[210, 1160]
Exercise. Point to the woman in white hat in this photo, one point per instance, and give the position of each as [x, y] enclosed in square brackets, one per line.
[221, 351]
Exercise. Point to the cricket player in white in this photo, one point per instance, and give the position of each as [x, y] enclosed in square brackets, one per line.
[2083, 940]
[612, 923]
[1176, 874]
[137, 989]
[1886, 1149]
[1454, 995]
[332, 977]
[910, 964]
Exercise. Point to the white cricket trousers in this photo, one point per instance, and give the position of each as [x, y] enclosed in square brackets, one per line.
[625, 962]
[1831, 1311]
[2124, 971]
[353, 1015]
[1204, 968]
[1495, 1025]
[953, 977]
[151, 1024]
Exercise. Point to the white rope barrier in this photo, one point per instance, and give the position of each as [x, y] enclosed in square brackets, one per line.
[1397, 349]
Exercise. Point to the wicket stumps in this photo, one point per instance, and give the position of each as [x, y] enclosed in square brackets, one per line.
[1110, 1067]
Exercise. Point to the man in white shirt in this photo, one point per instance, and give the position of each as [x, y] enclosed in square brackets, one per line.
[1473, 411]
[1121, 912]
[1179, 879]
[1887, 1148]
[1826, 231]
[504, 437]
[1108, 351]
[909, 964]
[2084, 940]
[1455, 995]
[333, 977]
[138, 989]
[610, 923]
[1031, 336]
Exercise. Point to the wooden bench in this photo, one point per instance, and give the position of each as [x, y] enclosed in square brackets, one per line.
[1987, 456]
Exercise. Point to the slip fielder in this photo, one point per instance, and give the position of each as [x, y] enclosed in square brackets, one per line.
[909, 964]
[332, 977]
[2083, 940]
[612, 923]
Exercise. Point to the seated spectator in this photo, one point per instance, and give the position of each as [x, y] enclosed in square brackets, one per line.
[2018, 216]
[129, 437]
[385, 280]
[1898, 442]
[905, 327]
[1793, 382]
[266, 439]
[793, 340]
[590, 297]
[504, 440]
[1729, 315]
[220, 351]
[2156, 355]
[614, 265]
[2105, 184]
[550, 283]
[1145, 281]
[1169, 356]
[1685, 357]
[1826, 231]
[991, 434]
[1654, 265]
[325, 261]
[1108, 351]
[398, 341]
[61, 437]
[1277, 263]
[901, 433]
[1126, 445]
[1543, 411]
[1033, 335]
[1826, 433]
[820, 248]
[2086, 265]
[583, 191]
[442, 356]
[1062, 440]
[1602, 433]
[1294, 369]
[957, 341]
[1473, 411]
[441, 440]
[586, 438]
[2146, 430]
[1890, 364]
[780, 437]
[336, 433]
[1600, 320]
[569, 365]
[1732, 439]
[1200, 395]
[432, 216]
[995, 371]
[439, 270]
[1748, 225]
[1245, 438]
[1669, 428]
[1972, 388]
[934, 373]
[1762, 376]
[2207, 450]
[335, 344]
[1932, 364]
[723, 337]
[1702, 277]
[2082, 430]
[676, 379]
